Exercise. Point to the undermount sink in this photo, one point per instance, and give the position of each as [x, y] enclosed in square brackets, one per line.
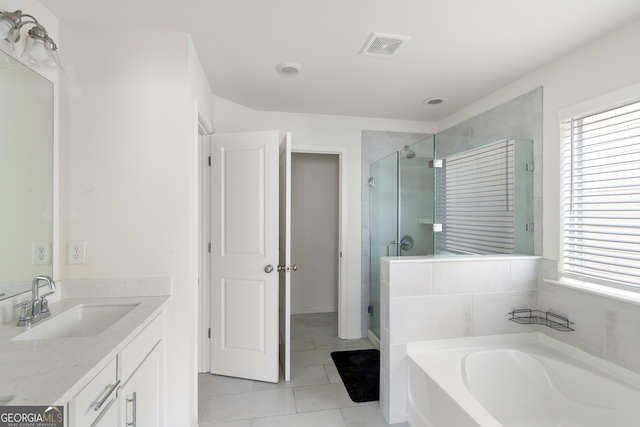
[80, 321]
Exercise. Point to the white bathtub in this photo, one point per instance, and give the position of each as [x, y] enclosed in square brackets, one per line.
[518, 380]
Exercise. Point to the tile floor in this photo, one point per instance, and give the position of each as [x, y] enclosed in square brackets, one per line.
[315, 396]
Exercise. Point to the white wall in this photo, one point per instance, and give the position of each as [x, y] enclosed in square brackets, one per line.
[314, 232]
[325, 130]
[602, 66]
[129, 179]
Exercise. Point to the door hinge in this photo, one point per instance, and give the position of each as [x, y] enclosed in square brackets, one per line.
[209, 160]
[436, 164]
[209, 247]
[209, 333]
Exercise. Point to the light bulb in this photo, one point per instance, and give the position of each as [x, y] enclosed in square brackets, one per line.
[8, 34]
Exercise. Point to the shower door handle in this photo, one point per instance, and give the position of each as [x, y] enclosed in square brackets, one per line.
[392, 243]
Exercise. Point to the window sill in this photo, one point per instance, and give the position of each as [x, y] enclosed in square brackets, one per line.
[601, 290]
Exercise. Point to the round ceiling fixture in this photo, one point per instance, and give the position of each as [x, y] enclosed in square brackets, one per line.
[289, 68]
[433, 101]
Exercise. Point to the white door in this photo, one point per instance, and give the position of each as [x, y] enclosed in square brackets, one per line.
[244, 255]
[285, 256]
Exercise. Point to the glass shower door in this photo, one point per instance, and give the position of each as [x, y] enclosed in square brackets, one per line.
[416, 202]
[383, 216]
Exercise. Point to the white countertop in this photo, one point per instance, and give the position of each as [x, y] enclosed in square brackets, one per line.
[51, 372]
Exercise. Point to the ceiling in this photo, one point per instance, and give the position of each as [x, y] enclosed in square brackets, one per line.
[460, 50]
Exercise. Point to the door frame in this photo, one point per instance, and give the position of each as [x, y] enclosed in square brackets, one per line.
[204, 353]
[341, 152]
[204, 229]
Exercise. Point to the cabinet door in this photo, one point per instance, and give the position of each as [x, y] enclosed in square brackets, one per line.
[109, 417]
[141, 396]
[82, 408]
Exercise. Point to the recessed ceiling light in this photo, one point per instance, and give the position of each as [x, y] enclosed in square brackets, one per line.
[433, 101]
[289, 68]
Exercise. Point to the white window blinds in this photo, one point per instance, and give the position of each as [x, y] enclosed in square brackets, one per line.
[475, 201]
[601, 197]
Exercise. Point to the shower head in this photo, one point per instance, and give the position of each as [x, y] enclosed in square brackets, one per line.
[410, 153]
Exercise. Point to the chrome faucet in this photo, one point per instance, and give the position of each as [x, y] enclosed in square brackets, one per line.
[37, 308]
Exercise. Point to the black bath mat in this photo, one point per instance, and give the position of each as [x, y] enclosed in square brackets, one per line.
[360, 373]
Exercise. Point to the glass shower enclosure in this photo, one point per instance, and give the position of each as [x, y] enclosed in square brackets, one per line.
[449, 196]
[400, 212]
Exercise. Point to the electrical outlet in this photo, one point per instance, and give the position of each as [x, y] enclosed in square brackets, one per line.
[41, 253]
[77, 252]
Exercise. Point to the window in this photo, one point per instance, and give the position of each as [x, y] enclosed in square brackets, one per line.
[601, 197]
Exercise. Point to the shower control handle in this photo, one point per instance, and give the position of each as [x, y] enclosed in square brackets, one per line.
[268, 268]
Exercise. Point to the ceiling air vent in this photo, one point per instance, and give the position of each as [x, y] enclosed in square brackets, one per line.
[383, 45]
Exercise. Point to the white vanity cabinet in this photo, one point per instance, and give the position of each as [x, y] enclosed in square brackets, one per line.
[128, 391]
[140, 395]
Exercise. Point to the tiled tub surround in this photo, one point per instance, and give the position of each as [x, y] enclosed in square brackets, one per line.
[48, 372]
[605, 326]
[429, 298]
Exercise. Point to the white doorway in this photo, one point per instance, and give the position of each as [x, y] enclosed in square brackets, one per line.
[315, 232]
[339, 153]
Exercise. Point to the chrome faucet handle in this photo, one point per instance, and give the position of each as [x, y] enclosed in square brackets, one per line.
[22, 304]
[44, 304]
[25, 314]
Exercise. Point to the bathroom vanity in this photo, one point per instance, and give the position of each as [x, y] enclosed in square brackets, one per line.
[102, 378]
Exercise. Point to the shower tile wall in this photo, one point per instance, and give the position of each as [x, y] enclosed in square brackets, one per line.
[520, 118]
[605, 327]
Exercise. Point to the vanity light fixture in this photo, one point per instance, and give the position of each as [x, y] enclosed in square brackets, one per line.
[39, 49]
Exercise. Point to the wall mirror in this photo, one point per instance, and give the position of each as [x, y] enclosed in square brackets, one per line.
[26, 176]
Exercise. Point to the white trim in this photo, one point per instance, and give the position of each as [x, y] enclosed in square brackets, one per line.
[204, 285]
[600, 103]
[203, 127]
[313, 310]
[374, 339]
[344, 304]
[600, 290]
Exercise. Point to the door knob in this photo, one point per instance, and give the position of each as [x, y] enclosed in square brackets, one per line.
[268, 268]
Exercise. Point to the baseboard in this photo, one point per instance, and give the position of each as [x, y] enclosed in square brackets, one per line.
[314, 310]
[374, 339]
